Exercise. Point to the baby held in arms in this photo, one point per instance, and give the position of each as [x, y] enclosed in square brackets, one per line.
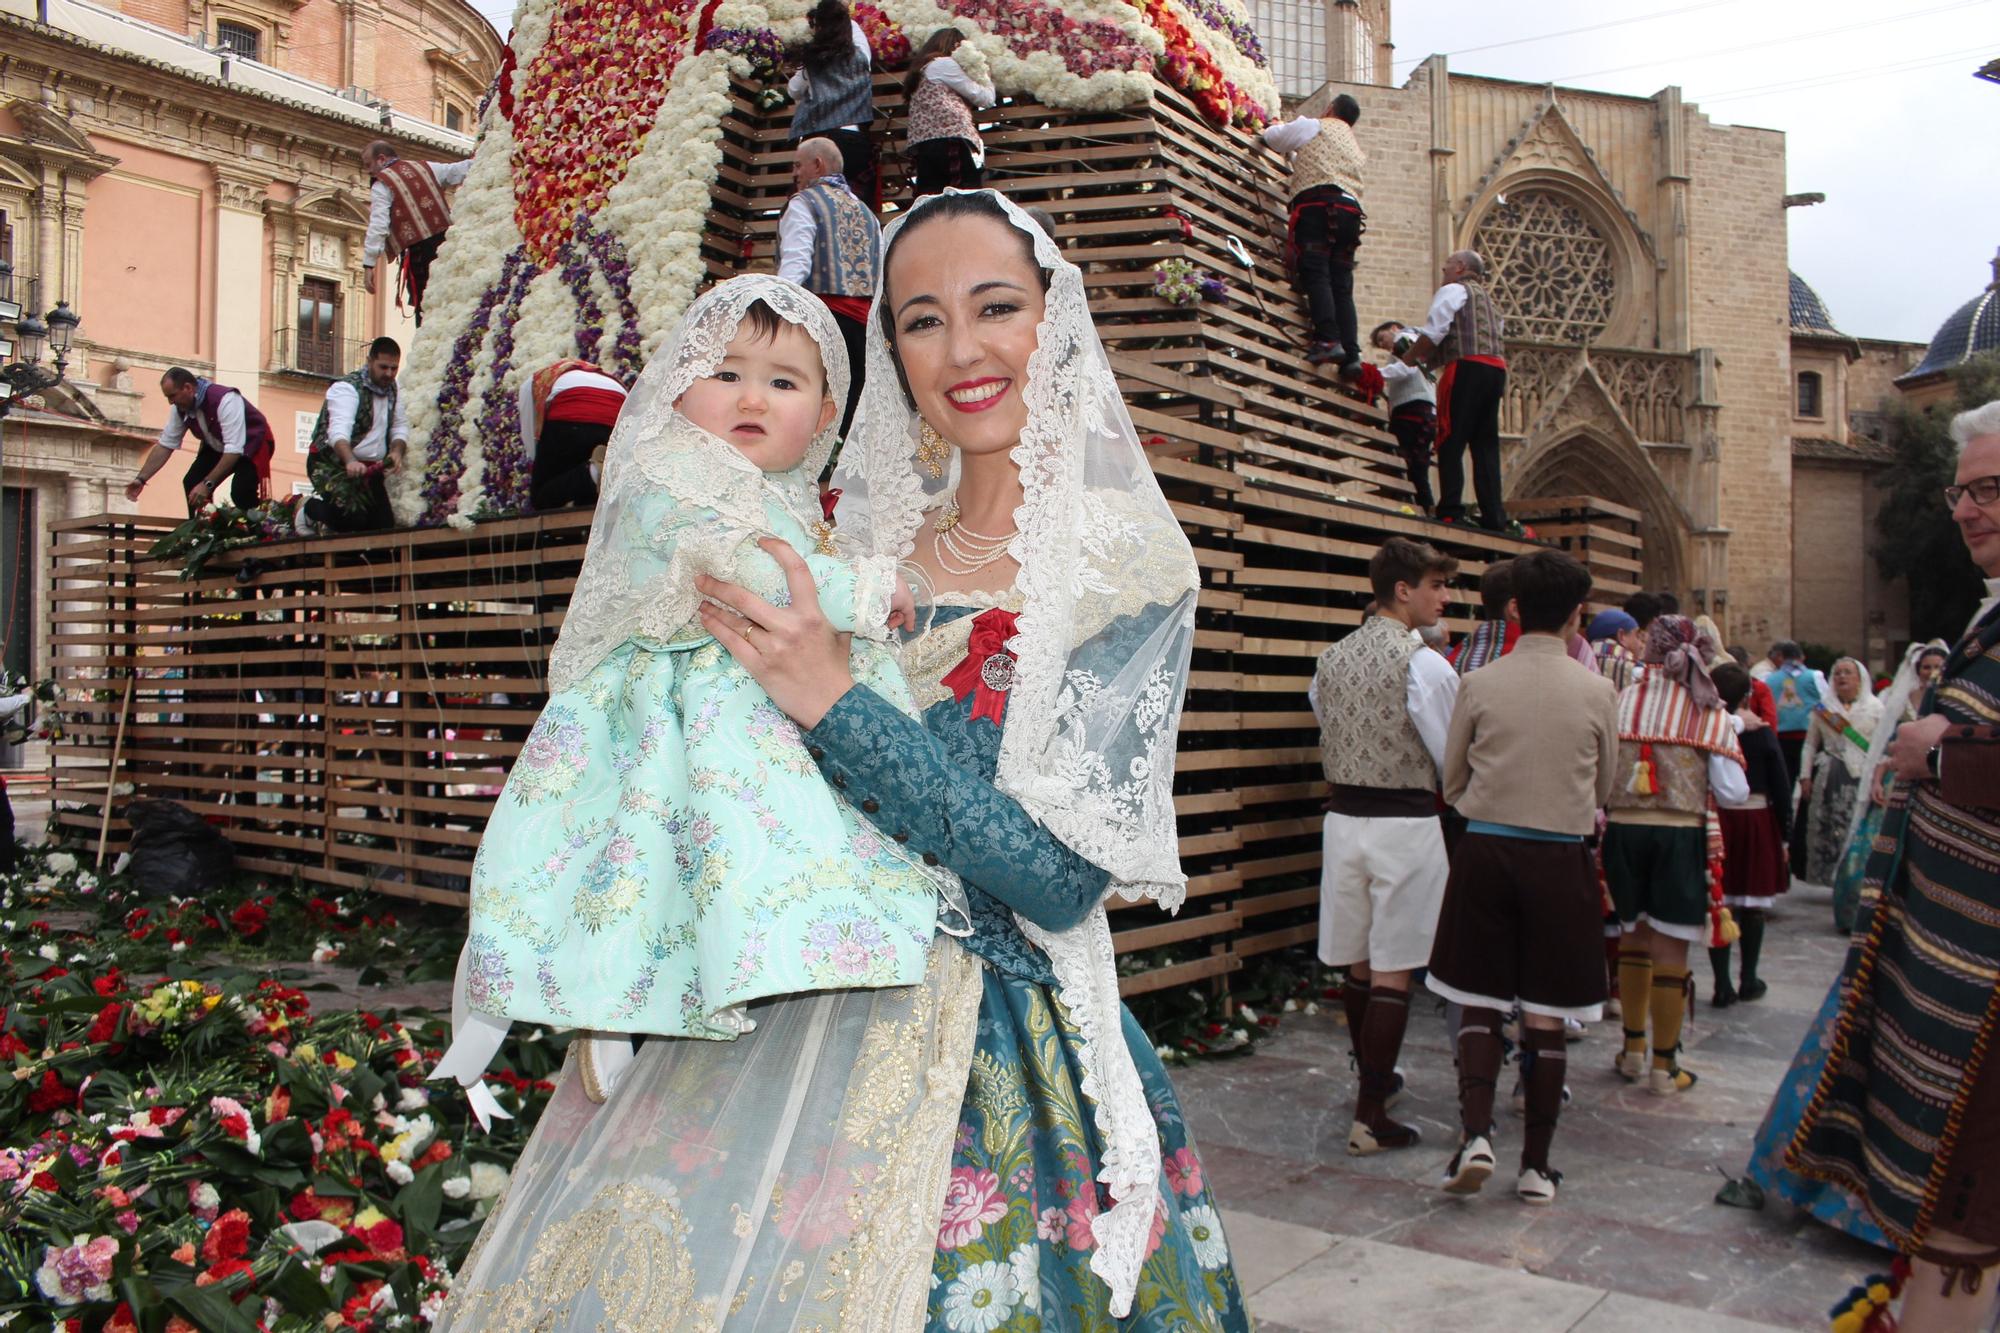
[666, 852]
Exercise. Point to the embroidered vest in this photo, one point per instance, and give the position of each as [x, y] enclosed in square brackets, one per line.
[936, 112]
[843, 93]
[1367, 738]
[258, 444]
[847, 242]
[1331, 157]
[1797, 691]
[1680, 776]
[417, 207]
[1477, 329]
[364, 414]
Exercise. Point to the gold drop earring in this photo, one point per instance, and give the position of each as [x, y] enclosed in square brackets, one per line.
[932, 450]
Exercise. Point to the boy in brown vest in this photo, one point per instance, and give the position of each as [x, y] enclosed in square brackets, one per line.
[1384, 706]
[1464, 334]
[1533, 744]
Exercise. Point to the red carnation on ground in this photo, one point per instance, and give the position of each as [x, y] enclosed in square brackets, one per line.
[105, 1026]
[11, 1046]
[223, 1271]
[51, 1095]
[109, 984]
[249, 919]
[228, 1239]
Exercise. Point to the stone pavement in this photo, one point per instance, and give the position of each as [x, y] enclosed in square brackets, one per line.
[1325, 1242]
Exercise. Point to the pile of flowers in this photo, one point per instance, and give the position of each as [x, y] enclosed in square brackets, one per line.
[220, 528]
[1181, 283]
[885, 36]
[199, 1149]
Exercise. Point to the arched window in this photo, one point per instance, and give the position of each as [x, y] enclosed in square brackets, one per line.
[239, 39]
[1552, 271]
[1809, 400]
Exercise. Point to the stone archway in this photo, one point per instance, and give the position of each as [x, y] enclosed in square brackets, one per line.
[1583, 462]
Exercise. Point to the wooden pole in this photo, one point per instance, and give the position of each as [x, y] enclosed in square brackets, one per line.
[111, 778]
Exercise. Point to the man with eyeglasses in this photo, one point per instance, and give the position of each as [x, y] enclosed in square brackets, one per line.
[1908, 1120]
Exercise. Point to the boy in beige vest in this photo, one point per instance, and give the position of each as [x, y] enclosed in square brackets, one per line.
[1384, 705]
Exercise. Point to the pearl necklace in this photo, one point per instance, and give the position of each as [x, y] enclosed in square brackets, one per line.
[973, 551]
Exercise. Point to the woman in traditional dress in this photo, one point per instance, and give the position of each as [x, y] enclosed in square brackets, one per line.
[993, 451]
[1830, 766]
[1921, 665]
[947, 82]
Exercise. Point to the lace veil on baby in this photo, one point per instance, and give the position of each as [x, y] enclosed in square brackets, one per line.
[1108, 585]
[654, 451]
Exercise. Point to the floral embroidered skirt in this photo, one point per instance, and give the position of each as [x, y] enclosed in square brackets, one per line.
[665, 851]
[1014, 1239]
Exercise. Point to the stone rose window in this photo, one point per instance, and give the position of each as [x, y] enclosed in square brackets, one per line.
[1553, 272]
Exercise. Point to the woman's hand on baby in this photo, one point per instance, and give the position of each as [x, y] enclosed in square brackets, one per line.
[902, 607]
[792, 651]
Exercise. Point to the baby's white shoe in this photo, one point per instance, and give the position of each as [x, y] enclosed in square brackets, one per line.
[602, 1060]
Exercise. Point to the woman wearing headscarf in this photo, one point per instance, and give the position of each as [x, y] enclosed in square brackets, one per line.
[1836, 748]
[993, 453]
[1922, 664]
[1677, 757]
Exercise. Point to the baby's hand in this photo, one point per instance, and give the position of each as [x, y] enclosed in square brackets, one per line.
[902, 607]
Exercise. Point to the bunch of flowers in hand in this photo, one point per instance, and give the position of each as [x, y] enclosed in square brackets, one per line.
[201, 1150]
[40, 717]
[1180, 283]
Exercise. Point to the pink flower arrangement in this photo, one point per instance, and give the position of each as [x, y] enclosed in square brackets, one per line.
[972, 1203]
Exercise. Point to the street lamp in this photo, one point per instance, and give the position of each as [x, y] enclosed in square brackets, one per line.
[57, 330]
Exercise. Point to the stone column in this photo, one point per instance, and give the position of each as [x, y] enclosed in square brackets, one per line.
[239, 278]
[1443, 233]
[1674, 247]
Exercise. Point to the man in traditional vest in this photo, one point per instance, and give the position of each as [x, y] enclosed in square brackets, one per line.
[1384, 706]
[1325, 229]
[567, 411]
[1798, 690]
[407, 216]
[236, 442]
[830, 244]
[1464, 333]
[1907, 1118]
[359, 438]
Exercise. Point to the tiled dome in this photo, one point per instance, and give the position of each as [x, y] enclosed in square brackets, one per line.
[1972, 328]
[1809, 312]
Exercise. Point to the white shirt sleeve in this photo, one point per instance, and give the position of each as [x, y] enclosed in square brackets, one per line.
[450, 174]
[14, 703]
[1726, 781]
[378, 223]
[399, 429]
[1431, 695]
[1291, 135]
[1394, 370]
[341, 405]
[1444, 308]
[229, 415]
[861, 47]
[952, 75]
[1312, 698]
[796, 230]
[798, 86]
[174, 431]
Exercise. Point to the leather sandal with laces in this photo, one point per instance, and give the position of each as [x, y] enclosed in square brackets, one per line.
[1537, 1187]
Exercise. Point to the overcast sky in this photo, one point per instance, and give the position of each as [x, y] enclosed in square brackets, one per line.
[1877, 101]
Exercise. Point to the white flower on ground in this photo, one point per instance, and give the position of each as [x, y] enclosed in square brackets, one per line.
[456, 1187]
[1204, 1228]
[399, 1172]
[980, 1299]
[488, 1179]
[61, 862]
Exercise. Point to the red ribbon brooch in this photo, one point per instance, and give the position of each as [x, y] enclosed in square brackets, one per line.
[987, 672]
